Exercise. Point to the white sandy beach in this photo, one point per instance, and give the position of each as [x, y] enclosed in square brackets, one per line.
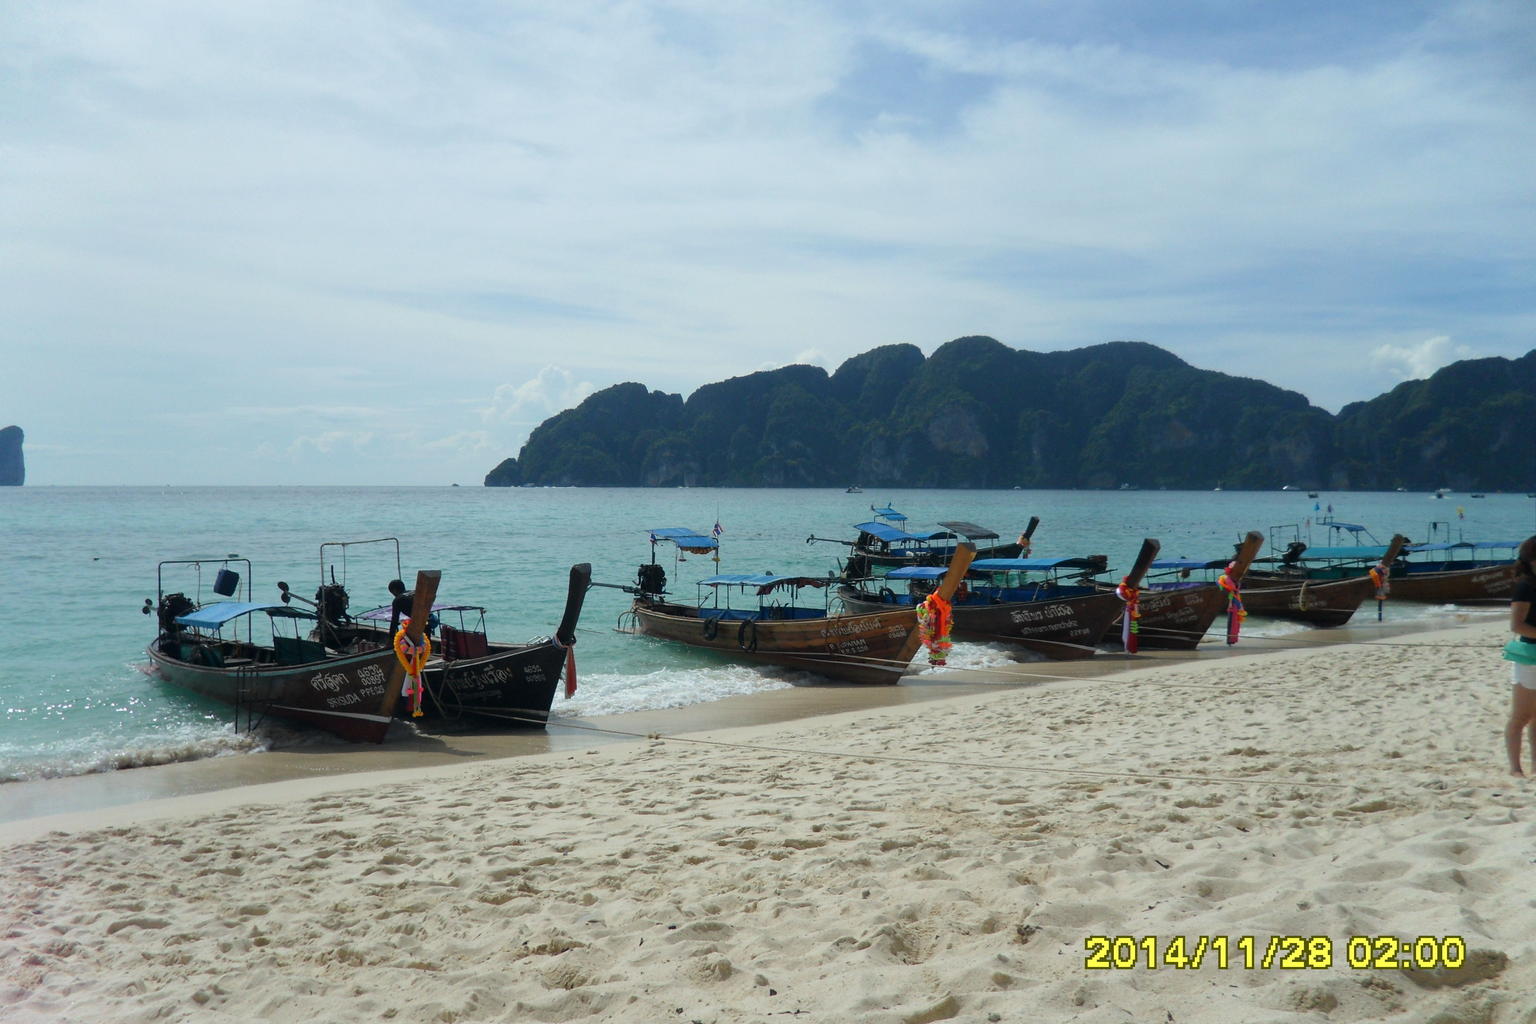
[945, 860]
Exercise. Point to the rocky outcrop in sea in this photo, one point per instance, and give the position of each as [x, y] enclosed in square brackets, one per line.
[13, 468]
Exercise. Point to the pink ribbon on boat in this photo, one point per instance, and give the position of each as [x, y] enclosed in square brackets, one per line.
[1130, 624]
[1236, 613]
[570, 669]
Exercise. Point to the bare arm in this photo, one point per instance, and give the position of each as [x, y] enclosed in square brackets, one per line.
[1518, 610]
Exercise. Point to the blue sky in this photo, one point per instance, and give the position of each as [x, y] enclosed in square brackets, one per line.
[379, 242]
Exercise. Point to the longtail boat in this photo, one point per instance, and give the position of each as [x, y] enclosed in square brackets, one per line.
[264, 671]
[773, 628]
[1322, 595]
[467, 676]
[1460, 572]
[1175, 609]
[1434, 572]
[885, 542]
[1051, 606]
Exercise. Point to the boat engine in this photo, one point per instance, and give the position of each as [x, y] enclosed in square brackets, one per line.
[171, 606]
[331, 602]
[1293, 552]
[651, 579]
[1100, 563]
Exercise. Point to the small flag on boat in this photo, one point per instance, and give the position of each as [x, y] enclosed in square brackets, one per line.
[718, 528]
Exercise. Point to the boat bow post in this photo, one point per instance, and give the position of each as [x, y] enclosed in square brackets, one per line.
[565, 633]
[1381, 573]
[421, 609]
[1026, 538]
[1128, 590]
[1247, 551]
[965, 551]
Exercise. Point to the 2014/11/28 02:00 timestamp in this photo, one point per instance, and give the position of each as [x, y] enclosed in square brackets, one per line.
[1286, 952]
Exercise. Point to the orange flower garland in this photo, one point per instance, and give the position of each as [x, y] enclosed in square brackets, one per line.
[934, 617]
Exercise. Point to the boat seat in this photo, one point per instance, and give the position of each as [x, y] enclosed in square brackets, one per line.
[463, 643]
[201, 654]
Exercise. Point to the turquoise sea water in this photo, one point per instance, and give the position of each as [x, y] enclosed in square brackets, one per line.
[77, 563]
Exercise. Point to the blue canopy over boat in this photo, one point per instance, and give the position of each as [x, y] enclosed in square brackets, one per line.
[1031, 564]
[917, 572]
[1357, 552]
[689, 540]
[1465, 545]
[889, 534]
[212, 616]
[888, 513]
[764, 582]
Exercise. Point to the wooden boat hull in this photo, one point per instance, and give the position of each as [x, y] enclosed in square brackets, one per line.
[346, 695]
[1489, 584]
[514, 685]
[874, 648]
[1062, 629]
[1174, 618]
[1316, 602]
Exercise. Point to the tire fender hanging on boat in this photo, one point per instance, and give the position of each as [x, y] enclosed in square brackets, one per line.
[746, 635]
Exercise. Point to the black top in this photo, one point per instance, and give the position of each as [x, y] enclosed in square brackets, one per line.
[400, 608]
[1525, 590]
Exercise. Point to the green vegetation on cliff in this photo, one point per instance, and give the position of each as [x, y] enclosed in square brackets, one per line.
[980, 414]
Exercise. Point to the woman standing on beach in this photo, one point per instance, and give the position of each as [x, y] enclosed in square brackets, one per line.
[1522, 651]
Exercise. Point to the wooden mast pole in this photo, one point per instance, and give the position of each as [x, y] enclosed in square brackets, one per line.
[421, 609]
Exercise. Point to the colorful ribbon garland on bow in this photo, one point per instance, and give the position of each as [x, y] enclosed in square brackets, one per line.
[1130, 623]
[413, 655]
[933, 625]
[1379, 574]
[1236, 613]
[1024, 545]
[570, 665]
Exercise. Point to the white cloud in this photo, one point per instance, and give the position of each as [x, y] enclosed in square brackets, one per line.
[332, 441]
[405, 207]
[553, 389]
[463, 442]
[1415, 362]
